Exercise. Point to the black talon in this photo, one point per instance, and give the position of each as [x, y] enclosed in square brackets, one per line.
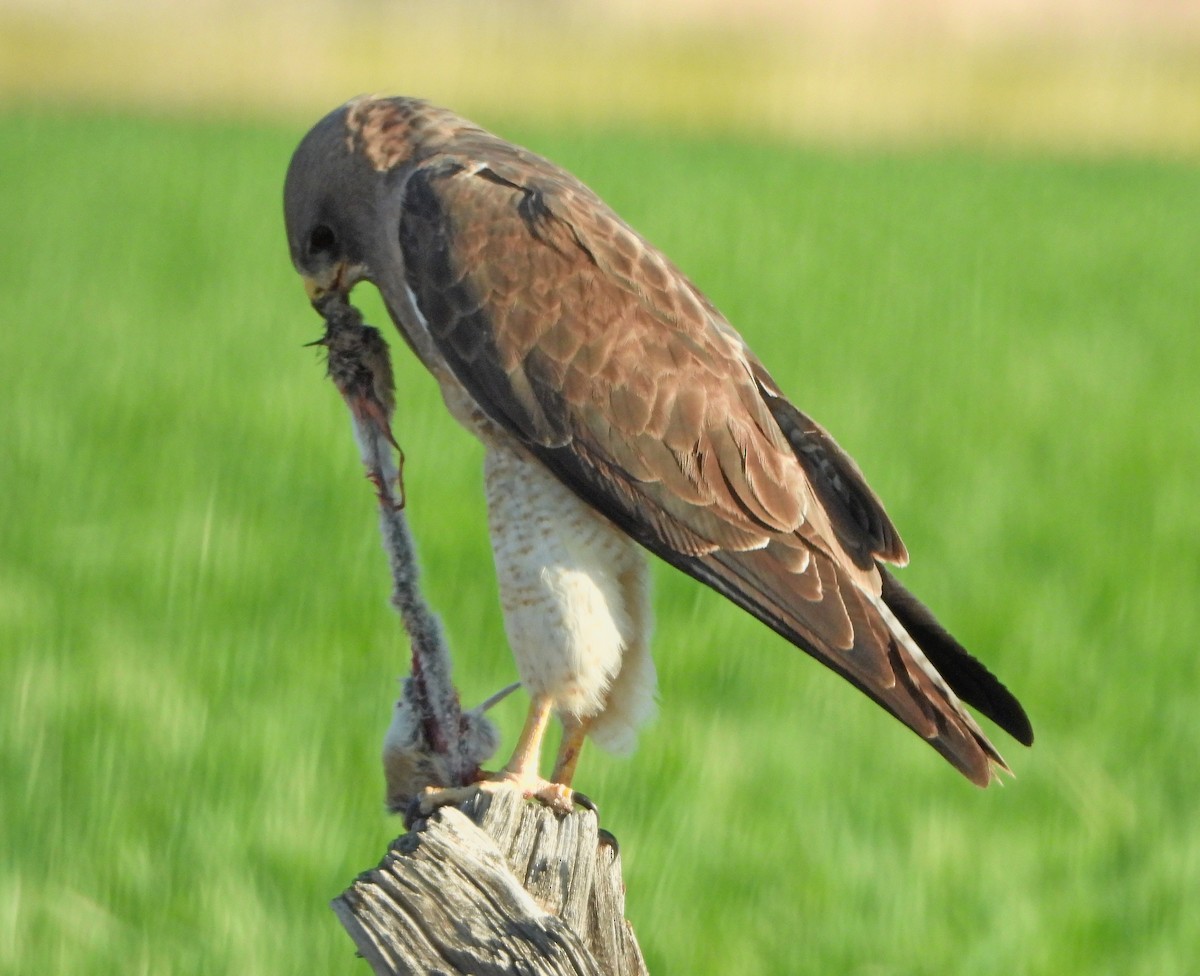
[585, 801]
[610, 841]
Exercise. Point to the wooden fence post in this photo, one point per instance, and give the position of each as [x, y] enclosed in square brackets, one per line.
[497, 886]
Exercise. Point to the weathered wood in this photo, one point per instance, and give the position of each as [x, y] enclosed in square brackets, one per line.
[496, 886]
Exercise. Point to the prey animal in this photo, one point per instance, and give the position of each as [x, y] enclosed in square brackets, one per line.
[620, 413]
[431, 742]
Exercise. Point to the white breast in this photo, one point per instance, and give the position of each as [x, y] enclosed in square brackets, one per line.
[573, 589]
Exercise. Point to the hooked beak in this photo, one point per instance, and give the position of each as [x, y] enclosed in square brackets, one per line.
[314, 289]
[335, 280]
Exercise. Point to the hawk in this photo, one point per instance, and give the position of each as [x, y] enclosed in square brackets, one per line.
[620, 412]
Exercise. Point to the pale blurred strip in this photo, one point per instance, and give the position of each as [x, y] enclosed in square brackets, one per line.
[1100, 76]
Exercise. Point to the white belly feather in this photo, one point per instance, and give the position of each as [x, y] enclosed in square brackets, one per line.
[574, 593]
[574, 589]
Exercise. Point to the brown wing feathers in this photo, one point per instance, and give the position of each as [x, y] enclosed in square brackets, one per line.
[842, 630]
[588, 345]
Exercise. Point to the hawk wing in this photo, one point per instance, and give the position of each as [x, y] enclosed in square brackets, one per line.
[592, 349]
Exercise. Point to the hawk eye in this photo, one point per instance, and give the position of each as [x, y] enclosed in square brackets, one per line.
[321, 240]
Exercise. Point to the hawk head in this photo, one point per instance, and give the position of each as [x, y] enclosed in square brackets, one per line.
[332, 201]
[345, 186]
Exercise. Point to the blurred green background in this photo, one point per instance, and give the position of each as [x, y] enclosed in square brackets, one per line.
[964, 236]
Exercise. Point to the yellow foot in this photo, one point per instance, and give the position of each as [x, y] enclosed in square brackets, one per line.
[559, 798]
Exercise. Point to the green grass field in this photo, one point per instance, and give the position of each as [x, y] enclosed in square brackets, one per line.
[197, 658]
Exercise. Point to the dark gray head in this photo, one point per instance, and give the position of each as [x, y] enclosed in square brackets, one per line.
[332, 203]
[345, 184]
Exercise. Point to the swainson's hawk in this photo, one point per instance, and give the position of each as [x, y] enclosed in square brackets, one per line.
[619, 411]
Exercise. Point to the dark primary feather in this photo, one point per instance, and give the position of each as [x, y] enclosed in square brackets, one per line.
[584, 342]
[971, 681]
[857, 514]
